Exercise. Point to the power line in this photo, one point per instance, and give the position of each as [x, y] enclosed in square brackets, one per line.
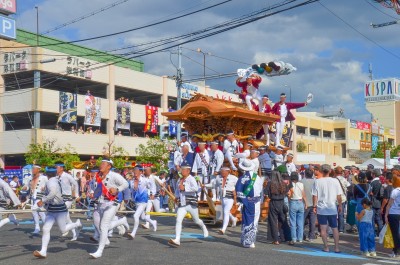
[133, 29]
[379, 10]
[220, 57]
[16, 133]
[191, 34]
[191, 59]
[235, 23]
[19, 88]
[84, 16]
[359, 32]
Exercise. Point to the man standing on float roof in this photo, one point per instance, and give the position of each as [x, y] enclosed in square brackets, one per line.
[282, 109]
[265, 108]
[250, 88]
[109, 184]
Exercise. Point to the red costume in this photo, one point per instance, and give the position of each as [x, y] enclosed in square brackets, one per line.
[243, 84]
[276, 109]
[267, 108]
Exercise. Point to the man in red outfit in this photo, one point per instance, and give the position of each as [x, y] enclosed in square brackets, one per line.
[250, 89]
[282, 109]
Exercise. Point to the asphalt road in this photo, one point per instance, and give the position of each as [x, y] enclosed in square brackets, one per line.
[17, 245]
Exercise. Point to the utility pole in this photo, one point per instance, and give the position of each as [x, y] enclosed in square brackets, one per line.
[36, 85]
[37, 26]
[179, 89]
[371, 76]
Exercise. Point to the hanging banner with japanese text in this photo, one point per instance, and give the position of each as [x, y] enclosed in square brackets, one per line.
[287, 135]
[151, 119]
[92, 111]
[123, 115]
[68, 108]
[172, 126]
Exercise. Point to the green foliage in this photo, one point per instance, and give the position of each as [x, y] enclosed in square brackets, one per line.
[155, 152]
[301, 147]
[394, 150]
[48, 153]
[69, 156]
[117, 153]
[43, 154]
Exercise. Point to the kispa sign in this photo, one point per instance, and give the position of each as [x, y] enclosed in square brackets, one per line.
[382, 90]
[8, 7]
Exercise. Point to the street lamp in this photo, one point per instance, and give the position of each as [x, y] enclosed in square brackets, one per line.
[204, 62]
[290, 92]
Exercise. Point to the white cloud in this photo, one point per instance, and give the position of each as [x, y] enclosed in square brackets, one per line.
[331, 58]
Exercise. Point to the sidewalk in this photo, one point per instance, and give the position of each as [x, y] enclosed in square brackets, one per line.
[349, 243]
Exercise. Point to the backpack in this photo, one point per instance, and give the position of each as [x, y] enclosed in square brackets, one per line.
[366, 194]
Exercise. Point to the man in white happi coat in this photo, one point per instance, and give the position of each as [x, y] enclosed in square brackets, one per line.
[226, 184]
[231, 147]
[201, 165]
[186, 198]
[70, 191]
[7, 195]
[140, 186]
[216, 161]
[109, 184]
[35, 188]
[56, 211]
[151, 190]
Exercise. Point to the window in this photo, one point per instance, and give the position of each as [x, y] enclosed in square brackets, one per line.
[362, 136]
[314, 132]
[340, 134]
[327, 134]
[301, 130]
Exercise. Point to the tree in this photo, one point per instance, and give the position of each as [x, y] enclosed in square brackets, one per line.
[155, 152]
[394, 150]
[68, 156]
[301, 147]
[48, 153]
[117, 153]
[44, 154]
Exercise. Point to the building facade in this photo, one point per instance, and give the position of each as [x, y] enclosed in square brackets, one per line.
[32, 79]
[335, 139]
[382, 99]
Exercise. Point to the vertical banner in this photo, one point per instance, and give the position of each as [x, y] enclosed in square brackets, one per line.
[92, 111]
[353, 124]
[123, 115]
[151, 119]
[287, 135]
[375, 141]
[387, 157]
[172, 126]
[154, 126]
[68, 109]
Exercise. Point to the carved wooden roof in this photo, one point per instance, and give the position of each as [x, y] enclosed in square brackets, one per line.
[211, 115]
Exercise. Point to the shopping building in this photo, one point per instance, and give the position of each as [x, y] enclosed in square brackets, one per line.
[382, 99]
[37, 83]
[333, 139]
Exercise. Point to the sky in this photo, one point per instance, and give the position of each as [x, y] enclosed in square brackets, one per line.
[331, 44]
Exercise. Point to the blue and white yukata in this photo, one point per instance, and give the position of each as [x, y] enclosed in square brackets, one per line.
[248, 190]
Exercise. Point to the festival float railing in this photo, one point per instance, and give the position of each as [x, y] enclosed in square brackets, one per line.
[209, 117]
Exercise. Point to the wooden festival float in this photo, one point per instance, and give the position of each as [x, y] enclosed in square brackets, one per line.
[207, 118]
